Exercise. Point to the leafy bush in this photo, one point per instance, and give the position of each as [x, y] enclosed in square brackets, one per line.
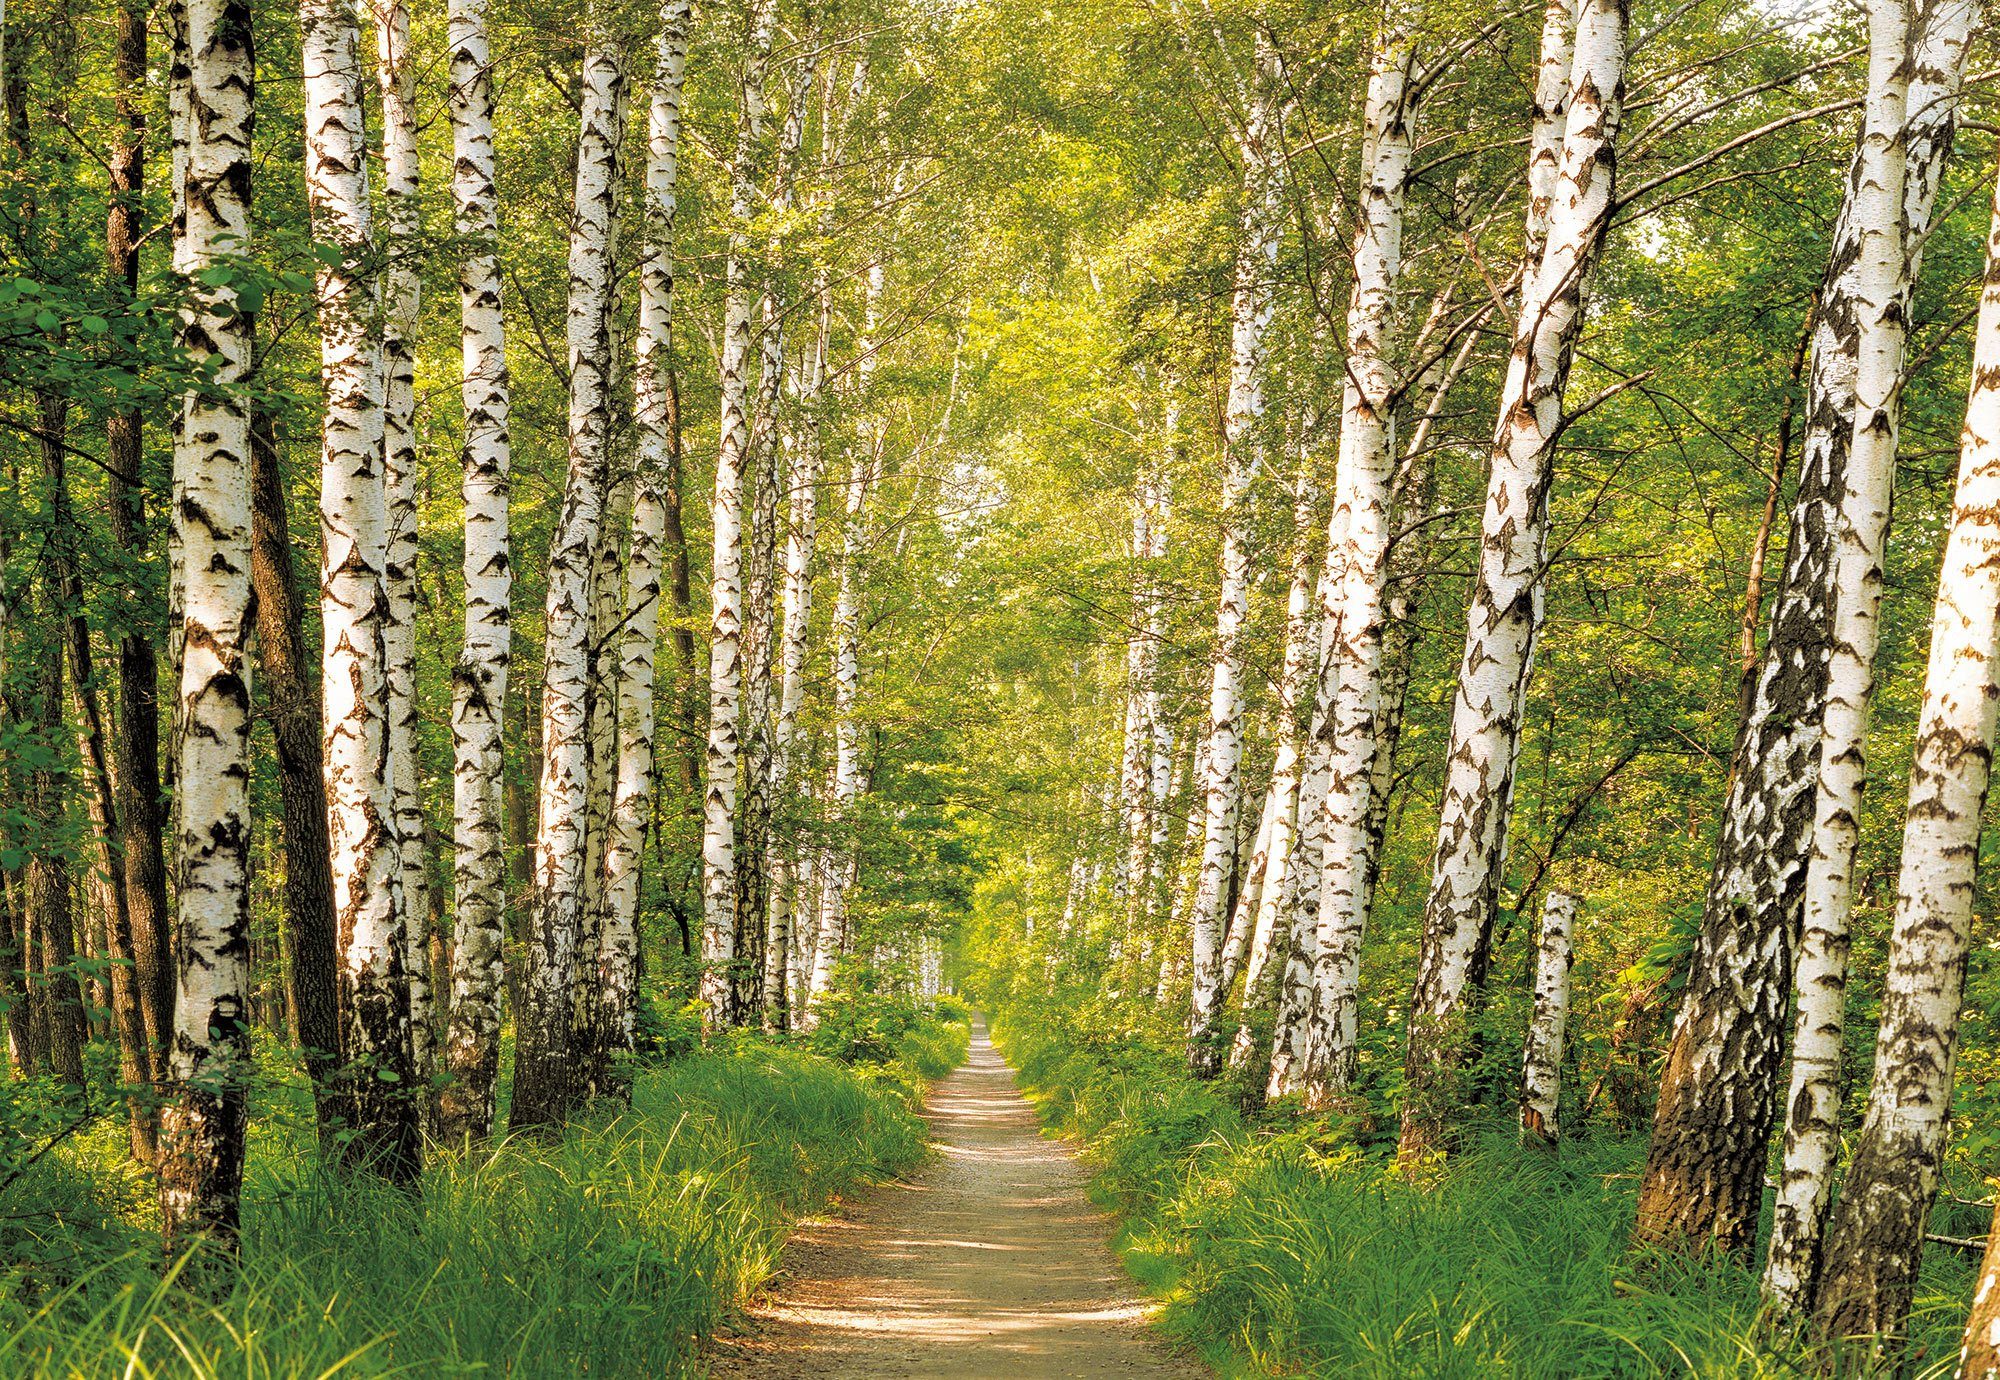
[860, 1025]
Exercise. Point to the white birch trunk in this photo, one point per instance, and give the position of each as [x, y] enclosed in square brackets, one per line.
[1979, 1355]
[1506, 611]
[364, 850]
[764, 985]
[840, 860]
[1149, 763]
[479, 680]
[1875, 1242]
[1704, 1177]
[800, 541]
[402, 233]
[1547, 125]
[1887, 271]
[590, 1043]
[542, 1074]
[1542, 1055]
[632, 808]
[1259, 230]
[1270, 941]
[1252, 871]
[725, 678]
[833, 932]
[202, 1126]
[1364, 474]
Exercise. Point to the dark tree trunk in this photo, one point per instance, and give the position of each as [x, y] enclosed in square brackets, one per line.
[135, 1061]
[141, 807]
[23, 1056]
[295, 732]
[51, 924]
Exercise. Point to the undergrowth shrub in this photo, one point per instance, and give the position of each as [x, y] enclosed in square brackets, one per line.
[610, 1252]
[862, 1026]
[1290, 1245]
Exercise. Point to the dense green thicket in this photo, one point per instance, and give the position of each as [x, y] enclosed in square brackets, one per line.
[1291, 1245]
[610, 1252]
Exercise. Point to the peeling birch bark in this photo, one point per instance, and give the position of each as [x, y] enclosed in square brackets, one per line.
[364, 851]
[1259, 230]
[545, 1017]
[1875, 1241]
[1542, 1055]
[479, 679]
[1506, 611]
[1812, 1123]
[725, 644]
[202, 1127]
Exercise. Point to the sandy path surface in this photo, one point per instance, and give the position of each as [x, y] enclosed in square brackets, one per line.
[992, 1263]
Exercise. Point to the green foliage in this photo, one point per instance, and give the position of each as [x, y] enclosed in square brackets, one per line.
[609, 1253]
[888, 1034]
[1282, 1244]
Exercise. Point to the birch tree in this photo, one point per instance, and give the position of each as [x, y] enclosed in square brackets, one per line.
[1260, 227]
[1542, 1055]
[1143, 721]
[542, 1061]
[364, 849]
[1367, 459]
[617, 967]
[479, 679]
[1270, 939]
[1506, 610]
[801, 536]
[862, 472]
[402, 233]
[202, 1127]
[1889, 267]
[1876, 1238]
[846, 633]
[725, 674]
[768, 459]
[1703, 1181]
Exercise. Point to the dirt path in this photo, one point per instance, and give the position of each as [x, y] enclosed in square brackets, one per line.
[991, 1264]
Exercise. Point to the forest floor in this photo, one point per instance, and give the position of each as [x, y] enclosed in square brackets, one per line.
[990, 1264]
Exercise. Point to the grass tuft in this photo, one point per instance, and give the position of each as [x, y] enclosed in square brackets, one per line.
[610, 1252]
[1282, 1246]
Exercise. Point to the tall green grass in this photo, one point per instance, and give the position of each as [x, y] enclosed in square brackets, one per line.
[1286, 1247]
[609, 1253]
